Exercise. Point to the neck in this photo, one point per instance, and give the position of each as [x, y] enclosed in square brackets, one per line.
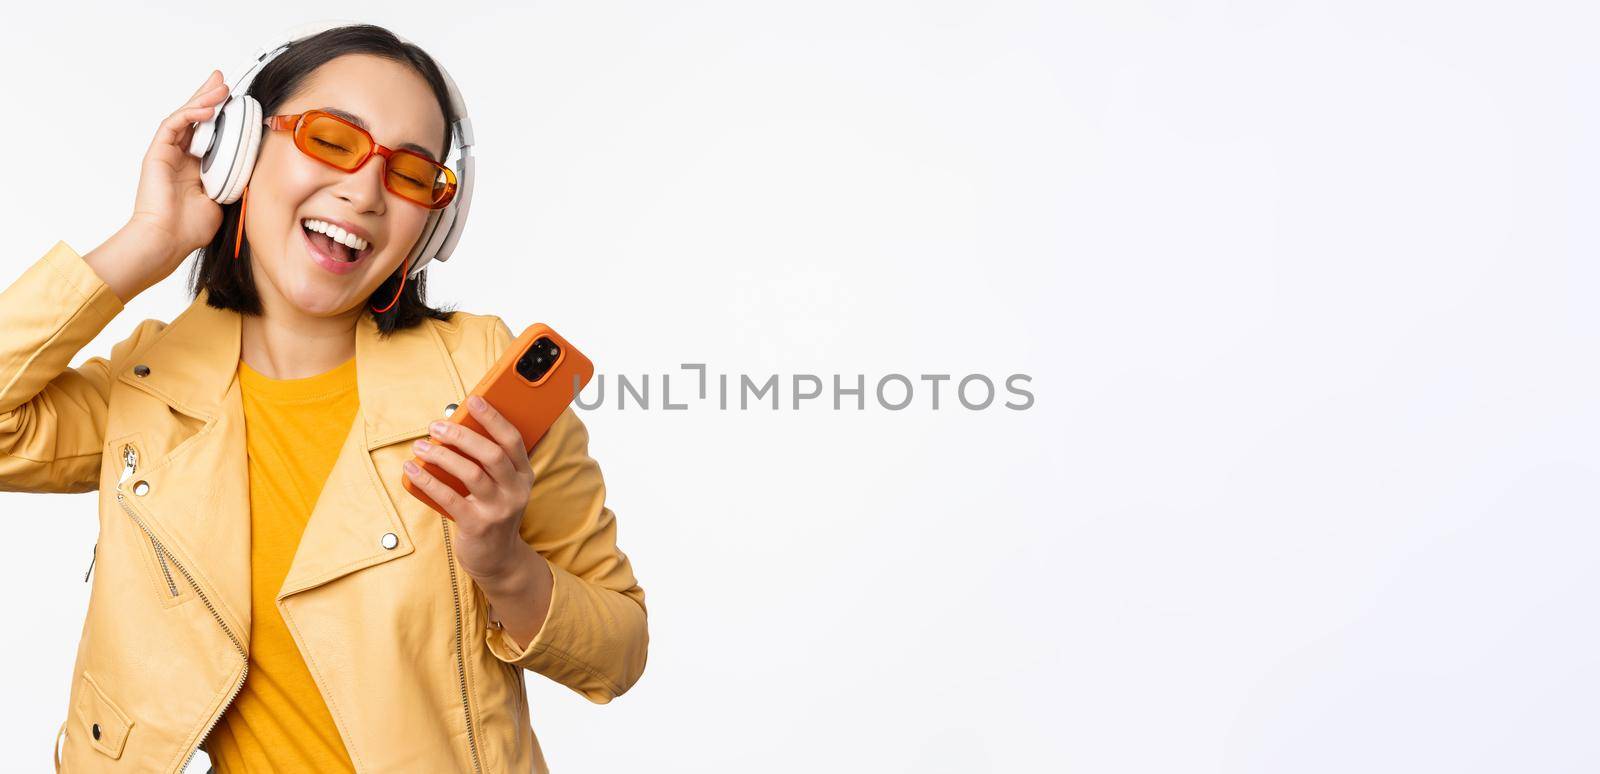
[284, 343]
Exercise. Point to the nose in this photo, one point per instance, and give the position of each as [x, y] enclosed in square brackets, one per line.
[363, 188]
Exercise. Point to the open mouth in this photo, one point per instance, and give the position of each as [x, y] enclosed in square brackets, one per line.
[334, 242]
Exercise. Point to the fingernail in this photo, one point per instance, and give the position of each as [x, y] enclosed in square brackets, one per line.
[411, 467]
[437, 428]
[477, 402]
[420, 445]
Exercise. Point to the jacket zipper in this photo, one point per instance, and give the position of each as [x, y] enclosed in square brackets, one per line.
[130, 463]
[161, 557]
[130, 459]
[461, 659]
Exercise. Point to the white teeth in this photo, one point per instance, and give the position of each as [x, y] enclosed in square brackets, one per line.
[335, 233]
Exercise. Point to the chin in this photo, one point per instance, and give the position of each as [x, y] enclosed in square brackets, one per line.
[323, 302]
[321, 296]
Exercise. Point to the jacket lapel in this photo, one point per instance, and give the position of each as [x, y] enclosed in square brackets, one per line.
[198, 496]
[404, 383]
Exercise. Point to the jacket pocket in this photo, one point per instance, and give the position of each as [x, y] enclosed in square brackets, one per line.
[170, 587]
[128, 457]
[100, 720]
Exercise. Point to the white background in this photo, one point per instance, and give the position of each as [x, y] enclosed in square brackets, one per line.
[1305, 290]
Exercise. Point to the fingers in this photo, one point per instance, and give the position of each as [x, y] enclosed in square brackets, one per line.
[214, 77]
[501, 429]
[436, 490]
[200, 107]
[172, 130]
[472, 444]
[479, 483]
[209, 94]
[205, 99]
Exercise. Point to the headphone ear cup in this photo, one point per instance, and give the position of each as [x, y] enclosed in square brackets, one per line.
[444, 235]
[436, 236]
[421, 253]
[248, 139]
[458, 209]
[220, 144]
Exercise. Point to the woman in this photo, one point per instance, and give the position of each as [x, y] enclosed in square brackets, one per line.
[264, 587]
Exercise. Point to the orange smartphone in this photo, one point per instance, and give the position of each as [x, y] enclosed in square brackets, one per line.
[531, 384]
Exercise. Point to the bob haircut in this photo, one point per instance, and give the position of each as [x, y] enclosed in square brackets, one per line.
[228, 280]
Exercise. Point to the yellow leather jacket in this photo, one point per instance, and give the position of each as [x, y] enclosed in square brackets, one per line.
[396, 635]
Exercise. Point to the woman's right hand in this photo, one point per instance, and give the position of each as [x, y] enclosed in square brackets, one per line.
[171, 207]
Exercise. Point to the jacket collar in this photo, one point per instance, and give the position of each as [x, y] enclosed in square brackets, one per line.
[403, 382]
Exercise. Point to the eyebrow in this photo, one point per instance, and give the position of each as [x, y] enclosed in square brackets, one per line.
[361, 122]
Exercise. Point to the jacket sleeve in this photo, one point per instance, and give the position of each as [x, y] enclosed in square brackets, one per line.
[594, 638]
[53, 418]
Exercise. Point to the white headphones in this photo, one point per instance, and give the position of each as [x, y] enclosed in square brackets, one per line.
[228, 143]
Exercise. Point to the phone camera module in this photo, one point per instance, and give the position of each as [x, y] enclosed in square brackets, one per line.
[538, 360]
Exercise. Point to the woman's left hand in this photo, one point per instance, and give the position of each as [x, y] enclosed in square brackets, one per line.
[499, 481]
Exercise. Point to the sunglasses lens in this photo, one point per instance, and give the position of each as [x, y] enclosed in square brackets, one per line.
[334, 141]
[419, 179]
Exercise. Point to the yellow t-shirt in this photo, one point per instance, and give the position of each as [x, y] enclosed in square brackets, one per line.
[293, 431]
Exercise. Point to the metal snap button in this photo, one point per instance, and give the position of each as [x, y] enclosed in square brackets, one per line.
[141, 370]
[450, 409]
[95, 729]
[390, 540]
[140, 487]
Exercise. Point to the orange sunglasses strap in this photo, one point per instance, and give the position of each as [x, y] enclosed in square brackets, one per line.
[239, 237]
[403, 266]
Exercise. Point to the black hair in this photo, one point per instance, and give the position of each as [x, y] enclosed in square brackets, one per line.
[229, 281]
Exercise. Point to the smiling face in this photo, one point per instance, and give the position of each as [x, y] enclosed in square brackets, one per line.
[287, 188]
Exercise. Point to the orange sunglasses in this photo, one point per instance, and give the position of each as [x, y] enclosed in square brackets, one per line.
[346, 147]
